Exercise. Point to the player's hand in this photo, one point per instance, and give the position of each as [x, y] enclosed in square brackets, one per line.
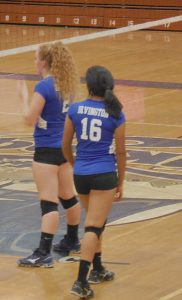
[119, 194]
[22, 90]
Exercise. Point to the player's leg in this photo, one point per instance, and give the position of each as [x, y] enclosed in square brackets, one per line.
[81, 288]
[46, 179]
[67, 196]
[99, 273]
[99, 205]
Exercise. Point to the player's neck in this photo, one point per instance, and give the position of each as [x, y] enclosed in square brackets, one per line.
[96, 98]
[46, 73]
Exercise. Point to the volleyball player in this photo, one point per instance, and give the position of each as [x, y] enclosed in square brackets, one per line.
[53, 175]
[96, 121]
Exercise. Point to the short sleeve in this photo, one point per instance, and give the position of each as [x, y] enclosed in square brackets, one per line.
[71, 111]
[120, 120]
[41, 89]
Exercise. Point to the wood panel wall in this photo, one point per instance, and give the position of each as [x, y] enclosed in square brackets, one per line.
[90, 13]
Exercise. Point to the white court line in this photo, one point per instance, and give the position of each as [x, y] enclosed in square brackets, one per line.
[149, 214]
[128, 122]
[141, 227]
[2, 240]
[151, 175]
[160, 94]
[172, 295]
[6, 199]
[95, 35]
[154, 124]
[22, 207]
[10, 113]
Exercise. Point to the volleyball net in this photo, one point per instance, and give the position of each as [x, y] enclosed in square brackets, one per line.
[141, 62]
[50, 35]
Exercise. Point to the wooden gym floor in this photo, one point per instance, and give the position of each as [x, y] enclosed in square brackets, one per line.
[143, 243]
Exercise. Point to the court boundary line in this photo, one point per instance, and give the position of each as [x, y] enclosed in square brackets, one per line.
[91, 36]
[145, 215]
[128, 122]
[172, 295]
[175, 86]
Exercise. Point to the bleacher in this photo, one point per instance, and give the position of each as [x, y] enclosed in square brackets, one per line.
[93, 13]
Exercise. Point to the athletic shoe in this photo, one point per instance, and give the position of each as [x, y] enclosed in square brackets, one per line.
[100, 276]
[36, 259]
[82, 290]
[66, 245]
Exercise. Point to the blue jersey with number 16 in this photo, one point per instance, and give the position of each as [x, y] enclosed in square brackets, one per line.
[94, 129]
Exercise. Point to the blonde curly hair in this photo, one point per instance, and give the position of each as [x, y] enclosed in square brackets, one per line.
[62, 67]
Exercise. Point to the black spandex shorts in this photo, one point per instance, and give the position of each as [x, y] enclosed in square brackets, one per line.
[104, 181]
[52, 156]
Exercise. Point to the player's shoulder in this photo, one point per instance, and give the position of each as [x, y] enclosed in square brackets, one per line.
[122, 116]
[40, 85]
[44, 82]
[75, 105]
[121, 119]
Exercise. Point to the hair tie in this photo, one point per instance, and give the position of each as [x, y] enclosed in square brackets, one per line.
[108, 90]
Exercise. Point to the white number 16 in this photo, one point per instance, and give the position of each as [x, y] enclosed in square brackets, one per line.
[93, 133]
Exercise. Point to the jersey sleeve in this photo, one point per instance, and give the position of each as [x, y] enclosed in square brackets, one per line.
[121, 120]
[40, 88]
[72, 112]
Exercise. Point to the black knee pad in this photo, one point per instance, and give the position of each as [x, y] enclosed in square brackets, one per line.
[69, 202]
[48, 206]
[97, 230]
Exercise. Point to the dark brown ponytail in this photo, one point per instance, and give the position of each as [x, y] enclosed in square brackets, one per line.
[100, 83]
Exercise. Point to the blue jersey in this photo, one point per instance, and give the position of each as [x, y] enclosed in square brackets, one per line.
[49, 128]
[94, 129]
